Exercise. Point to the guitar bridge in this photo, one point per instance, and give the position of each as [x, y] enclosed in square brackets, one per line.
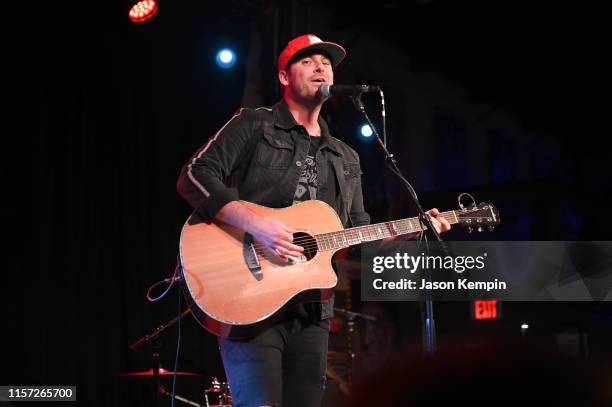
[250, 257]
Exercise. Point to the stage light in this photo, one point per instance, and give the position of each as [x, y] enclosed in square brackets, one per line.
[226, 58]
[524, 326]
[366, 130]
[366, 133]
[143, 10]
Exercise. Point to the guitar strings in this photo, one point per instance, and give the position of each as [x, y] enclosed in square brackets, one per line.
[446, 215]
[315, 241]
[385, 225]
[357, 230]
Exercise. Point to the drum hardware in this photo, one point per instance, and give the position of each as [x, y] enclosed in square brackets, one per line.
[221, 391]
[153, 335]
[352, 315]
[152, 339]
[349, 356]
[165, 392]
[161, 373]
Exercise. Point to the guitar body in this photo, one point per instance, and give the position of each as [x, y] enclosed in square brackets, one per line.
[234, 288]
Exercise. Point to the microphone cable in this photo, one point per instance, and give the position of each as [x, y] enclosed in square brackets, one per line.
[176, 276]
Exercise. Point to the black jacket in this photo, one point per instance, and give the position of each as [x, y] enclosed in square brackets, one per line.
[257, 157]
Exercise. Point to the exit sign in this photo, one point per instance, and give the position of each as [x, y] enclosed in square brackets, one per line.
[486, 309]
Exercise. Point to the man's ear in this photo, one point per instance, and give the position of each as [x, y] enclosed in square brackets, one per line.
[283, 77]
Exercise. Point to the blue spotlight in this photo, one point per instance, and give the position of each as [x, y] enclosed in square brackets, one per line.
[365, 133]
[226, 58]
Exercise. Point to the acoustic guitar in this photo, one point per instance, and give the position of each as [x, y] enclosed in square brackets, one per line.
[234, 286]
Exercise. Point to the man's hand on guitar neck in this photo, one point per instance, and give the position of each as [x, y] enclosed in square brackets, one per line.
[273, 234]
[438, 222]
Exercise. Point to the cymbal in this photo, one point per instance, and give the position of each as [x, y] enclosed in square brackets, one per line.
[163, 373]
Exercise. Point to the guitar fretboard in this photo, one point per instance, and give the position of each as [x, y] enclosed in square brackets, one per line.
[368, 233]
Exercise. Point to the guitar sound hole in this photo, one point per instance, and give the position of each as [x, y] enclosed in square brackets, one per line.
[307, 242]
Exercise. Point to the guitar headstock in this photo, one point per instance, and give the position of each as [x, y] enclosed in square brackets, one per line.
[478, 217]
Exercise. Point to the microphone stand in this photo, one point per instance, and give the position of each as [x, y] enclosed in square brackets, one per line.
[148, 338]
[429, 326]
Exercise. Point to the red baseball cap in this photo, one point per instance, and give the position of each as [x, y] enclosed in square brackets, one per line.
[309, 42]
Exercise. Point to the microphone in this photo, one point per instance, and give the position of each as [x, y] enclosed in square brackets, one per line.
[327, 90]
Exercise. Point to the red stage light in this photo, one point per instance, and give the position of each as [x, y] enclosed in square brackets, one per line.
[143, 10]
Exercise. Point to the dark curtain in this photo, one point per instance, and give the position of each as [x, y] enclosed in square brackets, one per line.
[106, 114]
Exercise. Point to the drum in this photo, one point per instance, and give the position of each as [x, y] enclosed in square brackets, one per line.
[218, 394]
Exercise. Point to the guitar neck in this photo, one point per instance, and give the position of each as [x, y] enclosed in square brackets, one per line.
[368, 233]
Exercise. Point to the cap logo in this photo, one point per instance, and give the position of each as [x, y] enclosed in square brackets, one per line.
[313, 39]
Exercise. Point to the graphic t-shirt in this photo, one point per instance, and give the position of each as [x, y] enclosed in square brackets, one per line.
[307, 189]
[307, 184]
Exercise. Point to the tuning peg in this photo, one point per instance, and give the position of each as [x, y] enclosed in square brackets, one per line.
[470, 229]
[480, 229]
[491, 228]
